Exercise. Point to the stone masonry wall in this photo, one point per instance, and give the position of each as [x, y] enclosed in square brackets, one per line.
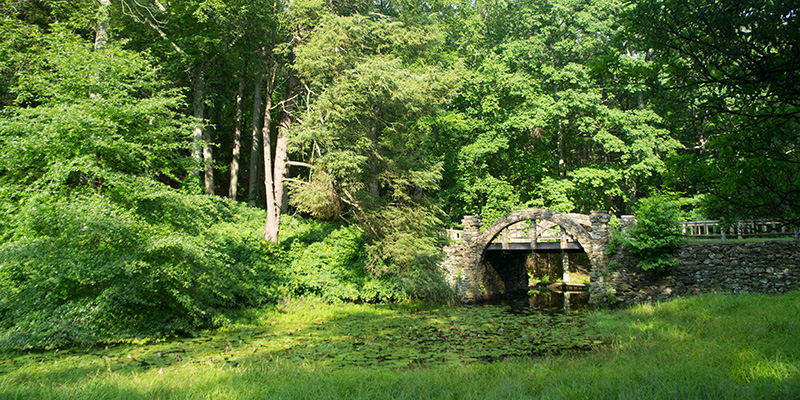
[473, 279]
[757, 267]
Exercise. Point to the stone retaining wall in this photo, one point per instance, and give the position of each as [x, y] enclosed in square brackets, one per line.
[757, 267]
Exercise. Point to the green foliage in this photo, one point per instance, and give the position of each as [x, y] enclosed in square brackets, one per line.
[616, 235]
[95, 247]
[329, 261]
[86, 268]
[84, 120]
[340, 262]
[547, 115]
[726, 75]
[376, 84]
[655, 233]
[405, 251]
[411, 113]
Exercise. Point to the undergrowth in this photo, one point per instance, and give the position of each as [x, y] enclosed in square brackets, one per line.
[155, 263]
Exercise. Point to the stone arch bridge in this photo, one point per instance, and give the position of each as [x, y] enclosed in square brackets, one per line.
[468, 266]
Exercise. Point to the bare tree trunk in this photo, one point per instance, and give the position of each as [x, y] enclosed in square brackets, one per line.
[273, 216]
[281, 145]
[276, 174]
[208, 162]
[101, 38]
[562, 164]
[272, 224]
[237, 134]
[201, 152]
[198, 93]
[252, 189]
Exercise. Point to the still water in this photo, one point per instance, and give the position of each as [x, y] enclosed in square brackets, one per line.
[541, 298]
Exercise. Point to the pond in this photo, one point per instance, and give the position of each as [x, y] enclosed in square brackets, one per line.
[365, 335]
[549, 299]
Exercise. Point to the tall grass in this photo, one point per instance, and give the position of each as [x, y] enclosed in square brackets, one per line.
[712, 346]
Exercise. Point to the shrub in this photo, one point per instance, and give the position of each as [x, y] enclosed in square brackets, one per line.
[93, 246]
[81, 269]
[655, 233]
[328, 260]
[616, 235]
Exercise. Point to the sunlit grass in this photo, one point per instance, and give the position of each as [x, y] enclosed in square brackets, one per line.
[714, 346]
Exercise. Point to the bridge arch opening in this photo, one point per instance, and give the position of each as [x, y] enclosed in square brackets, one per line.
[502, 269]
[465, 266]
[573, 224]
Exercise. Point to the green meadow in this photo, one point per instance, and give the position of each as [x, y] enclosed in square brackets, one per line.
[711, 346]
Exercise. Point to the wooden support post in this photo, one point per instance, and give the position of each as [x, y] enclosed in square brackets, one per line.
[535, 235]
[564, 254]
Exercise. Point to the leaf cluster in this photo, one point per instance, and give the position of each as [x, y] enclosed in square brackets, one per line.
[655, 233]
[328, 261]
[726, 76]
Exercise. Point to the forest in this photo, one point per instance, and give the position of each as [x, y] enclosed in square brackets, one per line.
[165, 163]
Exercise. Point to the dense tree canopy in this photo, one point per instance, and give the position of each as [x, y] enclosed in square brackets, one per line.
[728, 75]
[540, 122]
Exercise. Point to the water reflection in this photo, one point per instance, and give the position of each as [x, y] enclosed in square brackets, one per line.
[547, 300]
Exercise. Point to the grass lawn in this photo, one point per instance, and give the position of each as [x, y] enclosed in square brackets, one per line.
[714, 346]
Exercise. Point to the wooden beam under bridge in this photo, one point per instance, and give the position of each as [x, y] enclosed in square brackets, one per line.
[540, 247]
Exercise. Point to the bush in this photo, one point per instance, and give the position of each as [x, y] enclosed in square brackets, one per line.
[656, 232]
[81, 269]
[616, 235]
[328, 261]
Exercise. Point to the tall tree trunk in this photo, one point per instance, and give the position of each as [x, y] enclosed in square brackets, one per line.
[273, 215]
[562, 163]
[272, 224]
[281, 145]
[237, 133]
[101, 36]
[276, 174]
[208, 161]
[198, 93]
[252, 188]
